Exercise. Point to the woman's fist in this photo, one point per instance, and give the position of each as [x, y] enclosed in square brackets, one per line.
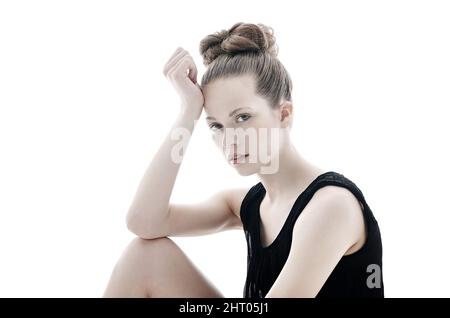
[181, 71]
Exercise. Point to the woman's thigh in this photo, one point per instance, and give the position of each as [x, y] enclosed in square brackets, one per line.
[158, 268]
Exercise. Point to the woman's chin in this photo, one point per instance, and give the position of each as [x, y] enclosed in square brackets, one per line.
[245, 169]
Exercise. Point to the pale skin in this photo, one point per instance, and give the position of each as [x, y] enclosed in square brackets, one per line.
[330, 227]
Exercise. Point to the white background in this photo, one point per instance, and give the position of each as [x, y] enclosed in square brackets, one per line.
[84, 106]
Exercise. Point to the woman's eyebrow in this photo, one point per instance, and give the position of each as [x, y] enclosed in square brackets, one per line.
[230, 114]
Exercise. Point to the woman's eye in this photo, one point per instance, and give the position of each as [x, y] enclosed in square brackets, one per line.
[245, 116]
[215, 126]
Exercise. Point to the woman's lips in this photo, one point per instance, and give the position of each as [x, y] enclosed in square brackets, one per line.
[237, 159]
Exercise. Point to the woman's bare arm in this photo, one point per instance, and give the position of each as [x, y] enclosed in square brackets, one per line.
[149, 209]
[151, 214]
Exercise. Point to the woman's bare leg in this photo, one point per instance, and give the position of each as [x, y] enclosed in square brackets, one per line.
[157, 268]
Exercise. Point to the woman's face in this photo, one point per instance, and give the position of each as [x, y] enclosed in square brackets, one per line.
[243, 125]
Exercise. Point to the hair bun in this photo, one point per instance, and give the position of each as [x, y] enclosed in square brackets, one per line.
[241, 37]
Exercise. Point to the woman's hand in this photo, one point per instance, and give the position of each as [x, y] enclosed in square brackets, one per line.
[176, 71]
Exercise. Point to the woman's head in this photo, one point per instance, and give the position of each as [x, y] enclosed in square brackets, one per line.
[245, 79]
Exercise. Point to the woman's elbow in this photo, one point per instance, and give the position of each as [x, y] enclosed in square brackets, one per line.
[139, 227]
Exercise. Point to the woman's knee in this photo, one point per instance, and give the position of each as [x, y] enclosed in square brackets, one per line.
[140, 245]
[136, 265]
[148, 253]
[160, 267]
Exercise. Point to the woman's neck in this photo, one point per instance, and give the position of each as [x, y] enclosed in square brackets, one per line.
[293, 174]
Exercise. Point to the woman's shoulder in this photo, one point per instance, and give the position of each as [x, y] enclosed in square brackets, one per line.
[335, 186]
[334, 208]
[334, 199]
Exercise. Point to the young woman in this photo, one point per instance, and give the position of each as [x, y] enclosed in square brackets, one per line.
[309, 231]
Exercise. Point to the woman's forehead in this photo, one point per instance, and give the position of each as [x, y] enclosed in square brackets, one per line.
[224, 96]
[233, 89]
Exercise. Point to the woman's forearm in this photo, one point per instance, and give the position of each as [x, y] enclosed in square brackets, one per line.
[150, 204]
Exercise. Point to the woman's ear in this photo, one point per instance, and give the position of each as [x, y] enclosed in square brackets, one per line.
[286, 115]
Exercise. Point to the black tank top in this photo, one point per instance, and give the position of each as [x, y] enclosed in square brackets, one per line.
[356, 275]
